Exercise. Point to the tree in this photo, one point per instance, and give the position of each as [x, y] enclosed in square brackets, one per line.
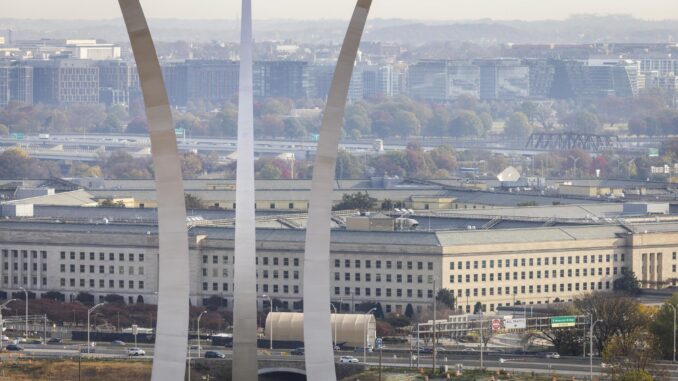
[628, 283]
[54, 295]
[582, 121]
[191, 165]
[4, 130]
[620, 315]
[662, 327]
[466, 123]
[85, 298]
[193, 201]
[409, 311]
[567, 342]
[445, 297]
[632, 354]
[114, 299]
[517, 126]
[359, 200]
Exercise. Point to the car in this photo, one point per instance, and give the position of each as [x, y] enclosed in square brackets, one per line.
[195, 347]
[118, 342]
[135, 352]
[228, 344]
[298, 351]
[425, 350]
[362, 349]
[55, 340]
[348, 360]
[88, 350]
[214, 355]
[14, 348]
[36, 341]
[553, 355]
[469, 350]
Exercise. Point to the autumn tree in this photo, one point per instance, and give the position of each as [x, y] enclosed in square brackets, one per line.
[517, 126]
[358, 200]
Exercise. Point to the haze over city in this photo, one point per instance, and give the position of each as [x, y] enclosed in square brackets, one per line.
[335, 9]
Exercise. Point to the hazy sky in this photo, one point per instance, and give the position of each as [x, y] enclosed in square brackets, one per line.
[341, 9]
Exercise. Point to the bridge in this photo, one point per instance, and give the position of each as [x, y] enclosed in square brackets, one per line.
[565, 141]
[286, 368]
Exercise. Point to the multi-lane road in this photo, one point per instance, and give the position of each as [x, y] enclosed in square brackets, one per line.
[566, 366]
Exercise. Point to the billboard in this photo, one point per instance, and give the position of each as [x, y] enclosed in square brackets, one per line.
[563, 321]
[515, 323]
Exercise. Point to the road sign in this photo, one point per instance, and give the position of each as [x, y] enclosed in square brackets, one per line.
[378, 342]
[135, 329]
[18, 135]
[180, 132]
[496, 324]
[517, 323]
[563, 321]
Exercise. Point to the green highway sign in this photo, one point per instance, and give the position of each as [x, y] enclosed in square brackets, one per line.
[563, 321]
[18, 135]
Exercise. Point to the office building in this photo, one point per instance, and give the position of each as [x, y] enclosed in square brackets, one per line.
[281, 79]
[503, 79]
[495, 267]
[64, 81]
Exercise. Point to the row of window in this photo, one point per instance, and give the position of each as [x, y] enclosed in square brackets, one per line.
[24, 281]
[357, 277]
[357, 291]
[24, 266]
[102, 283]
[102, 256]
[584, 286]
[102, 269]
[531, 261]
[24, 254]
[377, 264]
[534, 274]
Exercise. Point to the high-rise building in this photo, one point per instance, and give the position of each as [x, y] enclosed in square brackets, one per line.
[16, 83]
[281, 79]
[503, 79]
[320, 78]
[542, 73]
[115, 81]
[64, 81]
[427, 79]
[214, 81]
[463, 78]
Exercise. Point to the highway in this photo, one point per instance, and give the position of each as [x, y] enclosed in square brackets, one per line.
[566, 366]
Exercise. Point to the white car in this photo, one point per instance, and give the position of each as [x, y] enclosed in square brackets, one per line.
[552, 355]
[348, 360]
[135, 352]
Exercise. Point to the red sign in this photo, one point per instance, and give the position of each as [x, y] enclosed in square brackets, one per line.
[496, 324]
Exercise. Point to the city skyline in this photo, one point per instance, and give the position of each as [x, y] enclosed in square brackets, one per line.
[440, 10]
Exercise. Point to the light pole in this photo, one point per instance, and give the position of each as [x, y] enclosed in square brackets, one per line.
[674, 330]
[593, 324]
[481, 337]
[26, 326]
[574, 166]
[2, 322]
[270, 306]
[365, 337]
[435, 353]
[336, 317]
[89, 311]
[199, 316]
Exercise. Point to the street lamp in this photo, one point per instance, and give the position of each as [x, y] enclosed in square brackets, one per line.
[26, 326]
[336, 317]
[593, 324]
[365, 337]
[674, 330]
[2, 322]
[199, 316]
[270, 305]
[574, 165]
[89, 311]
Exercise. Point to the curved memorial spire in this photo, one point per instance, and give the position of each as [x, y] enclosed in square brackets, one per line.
[169, 360]
[317, 326]
[244, 266]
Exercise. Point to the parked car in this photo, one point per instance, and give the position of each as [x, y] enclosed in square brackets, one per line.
[36, 341]
[362, 349]
[425, 350]
[553, 355]
[195, 347]
[135, 352]
[298, 351]
[214, 355]
[55, 340]
[348, 359]
[118, 342]
[14, 347]
[88, 350]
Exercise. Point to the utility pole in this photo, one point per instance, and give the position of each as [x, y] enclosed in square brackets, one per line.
[593, 324]
[674, 330]
[481, 337]
[434, 326]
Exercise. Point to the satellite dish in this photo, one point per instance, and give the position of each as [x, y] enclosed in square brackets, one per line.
[509, 174]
